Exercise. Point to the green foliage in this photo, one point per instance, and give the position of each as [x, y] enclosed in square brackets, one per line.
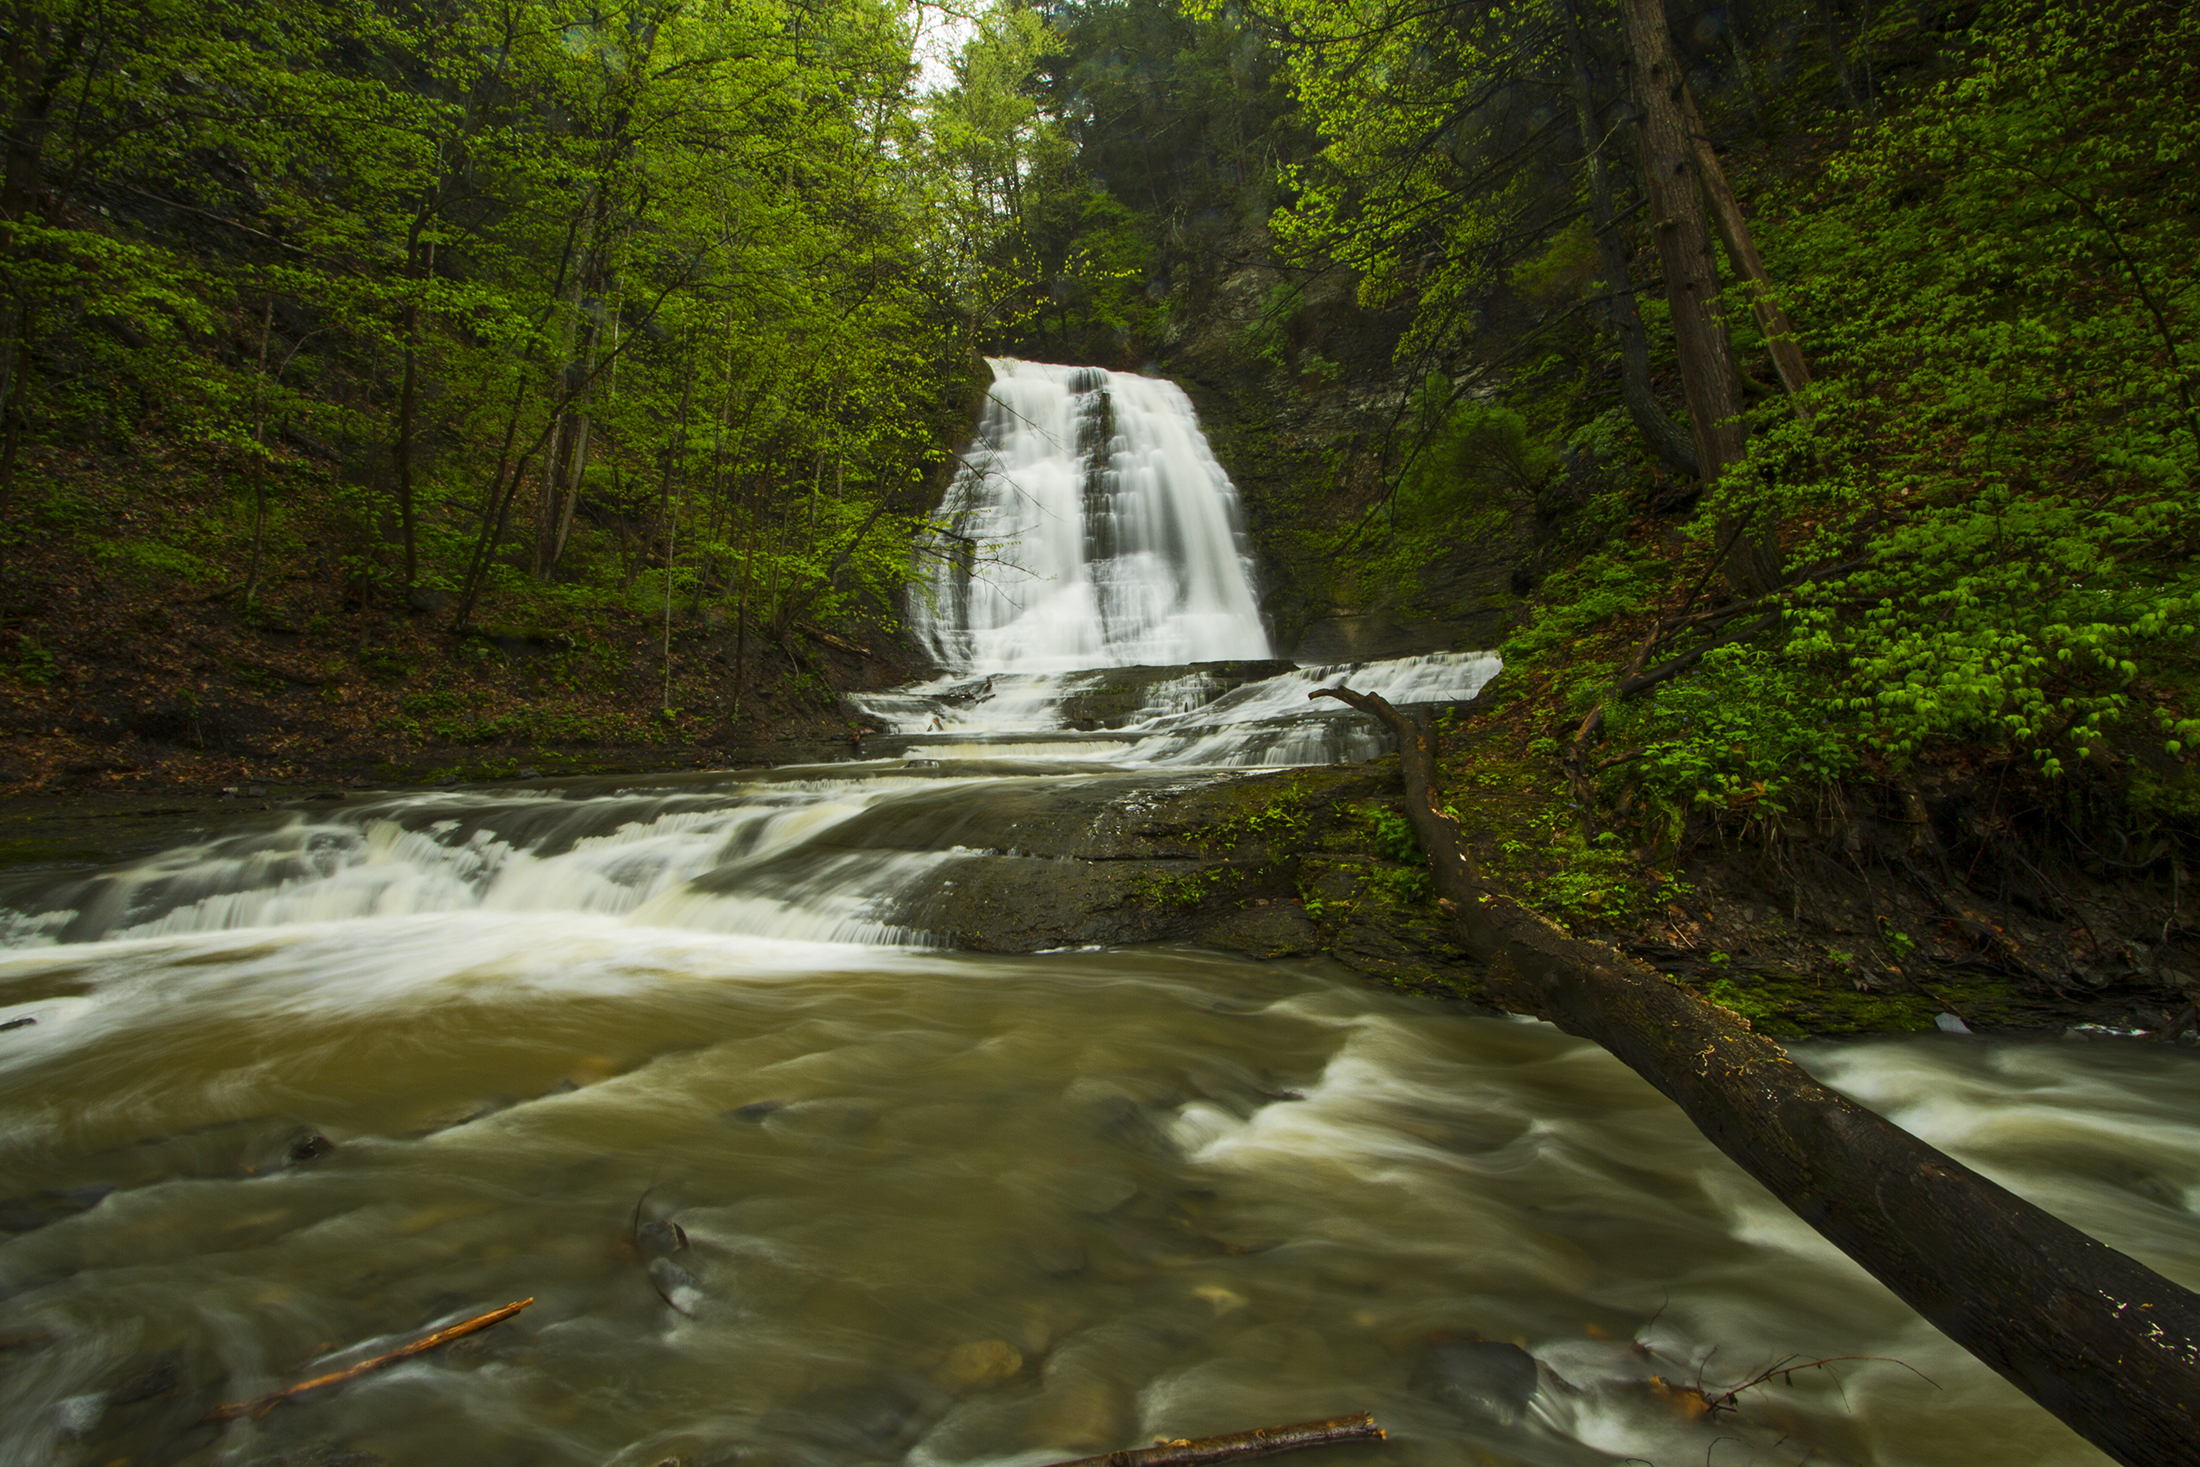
[1472, 463]
[1566, 267]
[1765, 1015]
[500, 300]
[1394, 837]
[1584, 596]
[32, 665]
[2000, 282]
[1746, 730]
[153, 559]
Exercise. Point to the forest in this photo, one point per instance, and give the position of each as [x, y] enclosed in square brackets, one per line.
[349, 348]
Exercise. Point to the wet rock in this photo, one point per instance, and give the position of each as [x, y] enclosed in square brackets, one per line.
[1118, 1115]
[979, 1363]
[871, 1421]
[675, 1285]
[1082, 1413]
[27, 1214]
[159, 1380]
[1124, 696]
[1383, 955]
[1224, 1299]
[455, 1116]
[307, 1146]
[1057, 1256]
[1096, 1193]
[755, 1111]
[77, 1415]
[660, 1235]
[323, 1454]
[1277, 929]
[1484, 1379]
[23, 1023]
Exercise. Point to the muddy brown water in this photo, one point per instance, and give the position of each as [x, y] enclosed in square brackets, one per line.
[805, 1202]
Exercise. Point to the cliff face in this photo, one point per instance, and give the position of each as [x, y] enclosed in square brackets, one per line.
[1306, 407]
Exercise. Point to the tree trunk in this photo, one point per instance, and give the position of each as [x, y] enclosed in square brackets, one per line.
[402, 450]
[674, 448]
[1741, 251]
[259, 456]
[1659, 431]
[576, 477]
[2098, 1339]
[1839, 51]
[14, 409]
[741, 616]
[572, 428]
[1692, 282]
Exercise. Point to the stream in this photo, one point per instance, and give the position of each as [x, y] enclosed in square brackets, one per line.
[792, 1182]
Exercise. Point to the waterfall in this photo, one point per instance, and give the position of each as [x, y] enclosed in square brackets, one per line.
[1087, 526]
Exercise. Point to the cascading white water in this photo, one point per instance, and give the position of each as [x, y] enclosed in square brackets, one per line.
[1090, 527]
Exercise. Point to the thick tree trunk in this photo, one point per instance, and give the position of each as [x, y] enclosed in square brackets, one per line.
[1741, 250]
[1692, 282]
[1659, 431]
[2100, 1340]
[576, 477]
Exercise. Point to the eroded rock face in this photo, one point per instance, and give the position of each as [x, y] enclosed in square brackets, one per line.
[1305, 431]
[1127, 694]
[1270, 864]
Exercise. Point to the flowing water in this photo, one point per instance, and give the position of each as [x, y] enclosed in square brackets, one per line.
[790, 1183]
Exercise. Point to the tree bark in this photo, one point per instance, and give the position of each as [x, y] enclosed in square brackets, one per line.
[1659, 431]
[402, 449]
[259, 455]
[1238, 1445]
[1692, 281]
[1741, 251]
[2095, 1337]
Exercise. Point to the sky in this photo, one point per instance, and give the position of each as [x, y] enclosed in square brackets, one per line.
[941, 31]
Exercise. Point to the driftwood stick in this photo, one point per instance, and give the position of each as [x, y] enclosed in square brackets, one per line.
[260, 1406]
[1267, 1441]
[2093, 1335]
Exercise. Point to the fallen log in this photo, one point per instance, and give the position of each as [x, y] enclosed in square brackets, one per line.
[259, 1406]
[2100, 1340]
[1265, 1442]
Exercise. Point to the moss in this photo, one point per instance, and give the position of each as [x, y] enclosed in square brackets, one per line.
[1191, 890]
[1786, 1005]
[1255, 812]
[52, 853]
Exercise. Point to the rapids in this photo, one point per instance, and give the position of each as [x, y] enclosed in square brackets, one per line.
[793, 1184]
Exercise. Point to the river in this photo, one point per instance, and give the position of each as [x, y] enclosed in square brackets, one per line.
[687, 1062]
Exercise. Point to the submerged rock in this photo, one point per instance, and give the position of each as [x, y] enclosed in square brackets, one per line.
[1481, 1379]
[980, 1362]
[660, 1235]
[756, 1111]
